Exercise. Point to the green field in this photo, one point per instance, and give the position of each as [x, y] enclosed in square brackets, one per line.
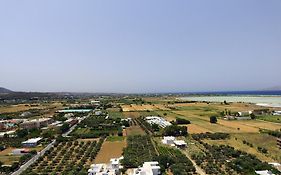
[115, 114]
[270, 118]
[115, 138]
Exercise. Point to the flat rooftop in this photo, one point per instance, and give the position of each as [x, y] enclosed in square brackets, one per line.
[74, 110]
[33, 140]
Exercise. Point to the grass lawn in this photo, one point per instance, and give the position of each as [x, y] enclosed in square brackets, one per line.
[114, 138]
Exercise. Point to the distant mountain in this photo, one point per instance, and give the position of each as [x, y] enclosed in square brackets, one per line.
[275, 88]
[4, 90]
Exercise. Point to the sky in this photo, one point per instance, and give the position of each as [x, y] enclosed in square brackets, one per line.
[132, 46]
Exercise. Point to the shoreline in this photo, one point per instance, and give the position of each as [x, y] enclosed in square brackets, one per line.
[259, 100]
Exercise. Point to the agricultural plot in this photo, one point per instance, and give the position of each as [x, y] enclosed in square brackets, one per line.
[96, 126]
[26, 107]
[239, 145]
[193, 129]
[111, 148]
[134, 130]
[115, 114]
[7, 158]
[263, 141]
[68, 157]
[225, 159]
[234, 107]
[175, 161]
[270, 118]
[143, 107]
[139, 149]
[131, 114]
[168, 115]
[235, 126]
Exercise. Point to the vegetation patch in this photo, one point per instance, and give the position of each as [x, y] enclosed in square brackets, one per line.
[67, 157]
[139, 149]
[175, 160]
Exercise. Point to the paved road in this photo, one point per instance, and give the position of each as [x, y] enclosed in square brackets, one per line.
[74, 126]
[33, 159]
[42, 152]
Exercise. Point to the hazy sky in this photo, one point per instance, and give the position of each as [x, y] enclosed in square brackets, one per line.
[140, 45]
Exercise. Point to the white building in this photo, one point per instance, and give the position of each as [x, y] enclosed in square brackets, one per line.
[264, 172]
[98, 112]
[31, 142]
[20, 151]
[170, 140]
[113, 168]
[8, 133]
[277, 113]
[148, 168]
[157, 120]
[245, 113]
[180, 143]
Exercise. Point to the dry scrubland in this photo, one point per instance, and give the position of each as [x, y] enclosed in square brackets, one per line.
[258, 140]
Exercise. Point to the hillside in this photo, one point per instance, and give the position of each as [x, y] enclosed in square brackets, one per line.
[4, 90]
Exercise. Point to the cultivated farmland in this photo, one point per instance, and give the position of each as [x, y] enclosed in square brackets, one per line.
[67, 157]
[111, 148]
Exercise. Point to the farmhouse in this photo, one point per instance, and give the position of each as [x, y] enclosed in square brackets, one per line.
[157, 120]
[112, 168]
[245, 113]
[148, 168]
[180, 143]
[36, 123]
[170, 140]
[31, 142]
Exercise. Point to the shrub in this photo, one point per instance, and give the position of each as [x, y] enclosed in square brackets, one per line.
[180, 121]
[213, 119]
